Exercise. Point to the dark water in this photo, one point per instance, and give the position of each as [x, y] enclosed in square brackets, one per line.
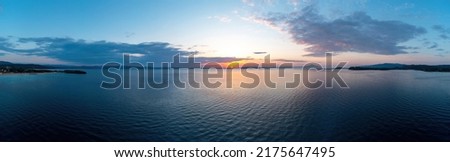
[378, 106]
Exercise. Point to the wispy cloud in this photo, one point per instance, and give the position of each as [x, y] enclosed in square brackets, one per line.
[433, 45]
[129, 34]
[33, 59]
[288, 60]
[220, 59]
[259, 53]
[224, 19]
[444, 36]
[134, 54]
[357, 32]
[249, 2]
[295, 3]
[429, 45]
[443, 31]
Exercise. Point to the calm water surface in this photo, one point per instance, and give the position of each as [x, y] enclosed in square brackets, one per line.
[378, 106]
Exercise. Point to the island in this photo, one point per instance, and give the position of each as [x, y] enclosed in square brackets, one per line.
[12, 68]
[395, 66]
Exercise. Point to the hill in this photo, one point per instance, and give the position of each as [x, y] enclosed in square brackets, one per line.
[395, 66]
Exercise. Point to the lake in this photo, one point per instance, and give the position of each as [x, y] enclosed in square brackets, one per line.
[377, 106]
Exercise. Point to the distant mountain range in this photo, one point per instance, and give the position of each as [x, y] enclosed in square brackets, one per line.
[396, 66]
[8, 67]
[24, 66]
[4, 63]
[37, 66]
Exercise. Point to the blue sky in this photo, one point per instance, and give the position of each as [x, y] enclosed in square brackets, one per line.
[98, 31]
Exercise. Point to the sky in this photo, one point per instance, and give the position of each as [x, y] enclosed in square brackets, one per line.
[87, 32]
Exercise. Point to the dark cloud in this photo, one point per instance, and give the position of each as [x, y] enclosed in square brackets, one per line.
[5, 42]
[5, 45]
[288, 60]
[93, 52]
[354, 33]
[99, 52]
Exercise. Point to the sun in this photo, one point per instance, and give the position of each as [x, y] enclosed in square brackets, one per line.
[233, 65]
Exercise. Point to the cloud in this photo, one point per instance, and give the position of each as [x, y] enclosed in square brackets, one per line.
[261, 3]
[443, 32]
[405, 6]
[78, 51]
[294, 2]
[5, 44]
[249, 2]
[224, 19]
[129, 34]
[134, 54]
[440, 28]
[33, 59]
[357, 32]
[288, 60]
[219, 59]
[430, 45]
[433, 45]
[91, 52]
[259, 53]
